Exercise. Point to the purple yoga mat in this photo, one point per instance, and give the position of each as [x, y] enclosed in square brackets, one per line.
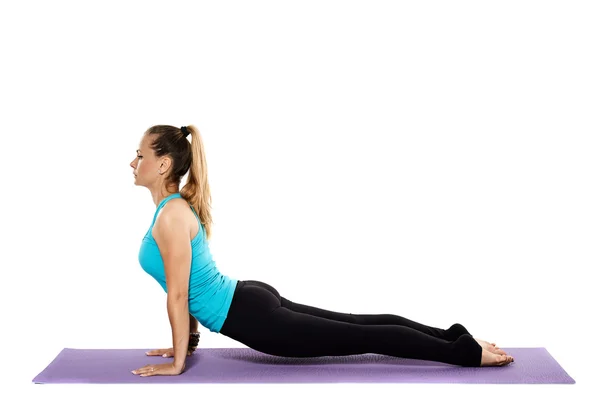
[245, 365]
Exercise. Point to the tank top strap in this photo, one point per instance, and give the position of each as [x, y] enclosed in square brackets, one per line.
[162, 204]
[195, 213]
[198, 218]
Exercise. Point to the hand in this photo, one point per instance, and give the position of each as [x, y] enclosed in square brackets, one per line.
[167, 352]
[158, 369]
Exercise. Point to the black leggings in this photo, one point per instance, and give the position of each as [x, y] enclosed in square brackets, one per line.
[265, 321]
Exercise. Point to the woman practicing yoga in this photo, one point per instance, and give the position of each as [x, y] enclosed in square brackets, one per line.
[175, 252]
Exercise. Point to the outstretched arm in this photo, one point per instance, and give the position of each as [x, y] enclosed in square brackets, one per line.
[176, 251]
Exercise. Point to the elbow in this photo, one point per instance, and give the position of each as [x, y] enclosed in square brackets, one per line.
[177, 296]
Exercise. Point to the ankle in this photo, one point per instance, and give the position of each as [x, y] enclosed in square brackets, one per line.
[468, 351]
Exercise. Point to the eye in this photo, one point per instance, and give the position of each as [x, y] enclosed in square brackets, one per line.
[139, 156]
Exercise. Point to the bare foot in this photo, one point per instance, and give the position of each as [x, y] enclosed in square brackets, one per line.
[489, 359]
[491, 347]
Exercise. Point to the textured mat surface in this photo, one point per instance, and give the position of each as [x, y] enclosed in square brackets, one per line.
[244, 365]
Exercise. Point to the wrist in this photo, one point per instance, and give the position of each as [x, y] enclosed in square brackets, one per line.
[178, 366]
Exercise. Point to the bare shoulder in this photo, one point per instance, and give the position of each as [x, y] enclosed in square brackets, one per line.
[179, 210]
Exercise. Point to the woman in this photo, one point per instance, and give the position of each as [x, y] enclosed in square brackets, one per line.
[175, 252]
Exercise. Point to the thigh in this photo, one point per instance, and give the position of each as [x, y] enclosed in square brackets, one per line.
[320, 312]
[288, 333]
[377, 319]
[257, 319]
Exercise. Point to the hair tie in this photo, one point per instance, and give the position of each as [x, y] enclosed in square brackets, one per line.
[185, 131]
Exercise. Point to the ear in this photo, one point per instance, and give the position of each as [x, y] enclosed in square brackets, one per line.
[165, 164]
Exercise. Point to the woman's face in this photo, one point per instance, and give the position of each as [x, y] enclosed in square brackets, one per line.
[145, 168]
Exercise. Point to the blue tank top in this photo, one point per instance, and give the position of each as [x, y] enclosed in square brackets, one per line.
[210, 292]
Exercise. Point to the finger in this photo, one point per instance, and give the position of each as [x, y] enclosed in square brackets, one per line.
[146, 371]
[153, 370]
[142, 370]
[157, 352]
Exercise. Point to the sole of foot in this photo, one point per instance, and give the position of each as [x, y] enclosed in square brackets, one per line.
[489, 359]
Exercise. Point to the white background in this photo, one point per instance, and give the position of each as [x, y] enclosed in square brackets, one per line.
[435, 160]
